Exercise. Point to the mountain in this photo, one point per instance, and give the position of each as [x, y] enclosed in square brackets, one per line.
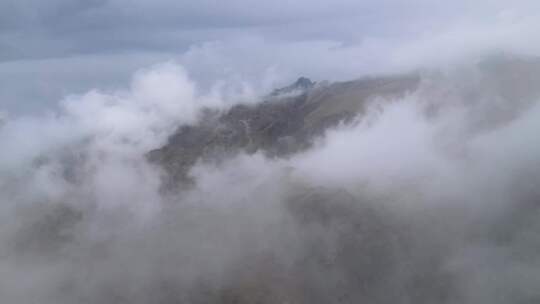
[285, 123]
[340, 247]
[279, 126]
[301, 85]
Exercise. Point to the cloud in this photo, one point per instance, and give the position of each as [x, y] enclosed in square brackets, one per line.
[274, 41]
[429, 198]
[138, 119]
[398, 196]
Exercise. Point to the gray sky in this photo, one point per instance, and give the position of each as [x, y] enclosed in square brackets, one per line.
[49, 49]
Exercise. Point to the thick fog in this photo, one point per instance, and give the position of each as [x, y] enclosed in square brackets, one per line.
[428, 198]
[431, 196]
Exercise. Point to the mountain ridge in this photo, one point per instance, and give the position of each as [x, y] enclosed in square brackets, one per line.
[284, 124]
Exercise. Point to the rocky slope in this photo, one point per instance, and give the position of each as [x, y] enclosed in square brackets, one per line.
[281, 125]
[289, 119]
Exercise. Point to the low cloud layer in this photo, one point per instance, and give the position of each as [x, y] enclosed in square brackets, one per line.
[426, 197]
[406, 205]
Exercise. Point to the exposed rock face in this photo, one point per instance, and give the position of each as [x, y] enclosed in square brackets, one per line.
[284, 124]
[300, 86]
[279, 126]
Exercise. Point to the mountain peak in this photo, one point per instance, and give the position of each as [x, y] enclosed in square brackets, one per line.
[300, 85]
[304, 82]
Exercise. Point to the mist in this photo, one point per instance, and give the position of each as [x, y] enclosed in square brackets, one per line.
[134, 174]
[417, 200]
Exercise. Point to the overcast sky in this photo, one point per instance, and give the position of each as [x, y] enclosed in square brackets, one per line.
[49, 49]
